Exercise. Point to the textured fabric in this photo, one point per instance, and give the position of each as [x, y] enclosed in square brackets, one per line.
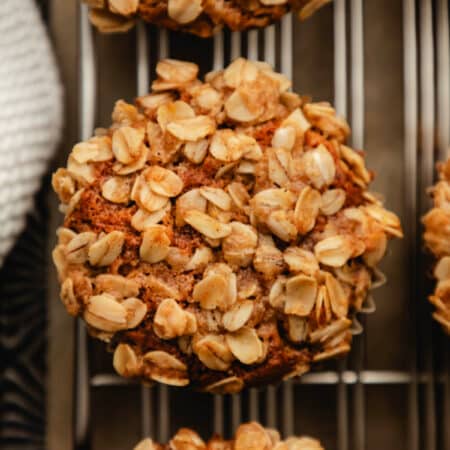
[30, 112]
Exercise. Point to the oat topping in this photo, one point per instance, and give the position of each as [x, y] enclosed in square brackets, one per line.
[200, 17]
[437, 239]
[248, 436]
[225, 247]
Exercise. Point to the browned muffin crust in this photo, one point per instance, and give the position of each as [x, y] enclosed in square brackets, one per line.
[249, 436]
[219, 234]
[200, 17]
[437, 240]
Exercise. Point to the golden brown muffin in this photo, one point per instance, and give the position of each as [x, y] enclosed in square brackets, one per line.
[219, 234]
[200, 17]
[437, 240]
[249, 436]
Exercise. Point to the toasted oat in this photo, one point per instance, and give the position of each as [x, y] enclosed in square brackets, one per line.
[184, 11]
[217, 289]
[171, 320]
[155, 244]
[252, 435]
[105, 313]
[238, 108]
[82, 172]
[64, 185]
[117, 189]
[334, 251]
[127, 143]
[245, 345]
[136, 311]
[206, 225]
[332, 201]
[68, 297]
[165, 368]
[192, 200]
[125, 361]
[142, 220]
[176, 71]
[307, 209]
[297, 328]
[301, 294]
[117, 285]
[213, 352]
[240, 245]
[168, 112]
[238, 315]
[229, 385]
[191, 129]
[147, 199]
[146, 444]
[196, 151]
[77, 249]
[96, 149]
[223, 231]
[106, 249]
[318, 166]
[107, 22]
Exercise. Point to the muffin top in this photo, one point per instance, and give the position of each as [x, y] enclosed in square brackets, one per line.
[248, 436]
[437, 240]
[200, 17]
[219, 234]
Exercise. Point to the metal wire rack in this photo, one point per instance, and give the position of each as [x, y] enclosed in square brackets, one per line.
[425, 380]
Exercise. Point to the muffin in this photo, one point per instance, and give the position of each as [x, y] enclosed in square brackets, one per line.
[219, 234]
[437, 240]
[249, 436]
[200, 17]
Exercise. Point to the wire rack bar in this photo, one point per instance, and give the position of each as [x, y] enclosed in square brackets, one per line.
[87, 95]
[143, 82]
[252, 45]
[218, 58]
[287, 44]
[410, 159]
[443, 77]
[357, 124]
[287, 49]
[340, 101]
[348, 377]
[427, 133]
[269, 45]
[443, 141]
[235, 44]
[271, 411]
[218, 414]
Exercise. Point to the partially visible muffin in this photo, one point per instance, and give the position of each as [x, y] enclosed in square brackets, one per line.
[437, 240]
[249, 436]
[219, 234]
[200, 17]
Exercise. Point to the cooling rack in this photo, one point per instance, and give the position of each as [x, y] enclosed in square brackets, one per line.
[355, 403]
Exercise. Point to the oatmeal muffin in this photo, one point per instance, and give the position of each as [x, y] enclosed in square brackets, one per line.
[437, 240]
[219, 234]
[200, 17]
[249, 436]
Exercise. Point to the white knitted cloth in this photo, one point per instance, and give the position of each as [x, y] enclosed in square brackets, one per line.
[30, 112]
